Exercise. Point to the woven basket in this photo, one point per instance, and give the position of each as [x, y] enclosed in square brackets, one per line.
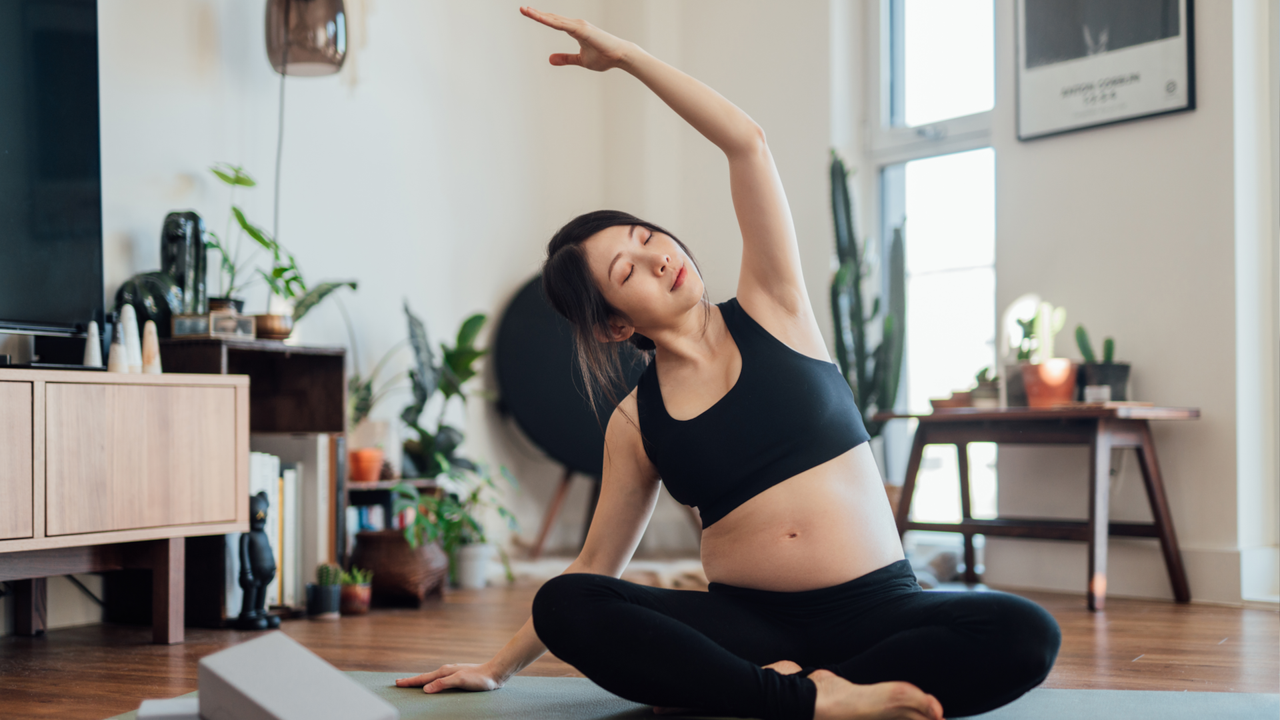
[401, 575]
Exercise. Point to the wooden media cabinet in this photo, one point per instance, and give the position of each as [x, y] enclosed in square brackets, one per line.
[107, 471]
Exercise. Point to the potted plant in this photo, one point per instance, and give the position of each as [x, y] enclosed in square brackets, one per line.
[1049, 380]
[283, 278]
[450, 517]
[872, 373]
[987, 392]
[1108, 373]
[324, 594]
[433, 452]
[356, 591]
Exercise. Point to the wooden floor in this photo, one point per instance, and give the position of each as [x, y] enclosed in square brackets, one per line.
[99, 671]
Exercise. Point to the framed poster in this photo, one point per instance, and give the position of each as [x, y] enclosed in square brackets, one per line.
[1084, 63]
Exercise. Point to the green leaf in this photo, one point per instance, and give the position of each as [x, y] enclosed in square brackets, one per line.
[259, 235]
[232, 175]
[470, 328]
[316, 294]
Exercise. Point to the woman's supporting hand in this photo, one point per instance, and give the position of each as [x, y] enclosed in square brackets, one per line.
[460, 677]
[598, 50]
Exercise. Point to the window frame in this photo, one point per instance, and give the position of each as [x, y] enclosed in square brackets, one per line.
[891, 144]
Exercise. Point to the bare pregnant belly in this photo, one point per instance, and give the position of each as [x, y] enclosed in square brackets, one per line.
[828, 525]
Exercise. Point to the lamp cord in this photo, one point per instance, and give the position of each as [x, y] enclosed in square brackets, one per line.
[284, 70]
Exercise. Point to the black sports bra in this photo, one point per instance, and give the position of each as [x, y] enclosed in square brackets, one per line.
[787, 412]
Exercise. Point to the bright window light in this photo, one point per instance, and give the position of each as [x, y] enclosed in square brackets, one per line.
[949, 58]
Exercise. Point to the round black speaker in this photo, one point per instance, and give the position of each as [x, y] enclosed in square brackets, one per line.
[540, 385]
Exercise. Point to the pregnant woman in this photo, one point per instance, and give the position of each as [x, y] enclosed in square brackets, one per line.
[812, 610]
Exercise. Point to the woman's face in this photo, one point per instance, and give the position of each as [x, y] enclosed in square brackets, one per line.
[644, 274]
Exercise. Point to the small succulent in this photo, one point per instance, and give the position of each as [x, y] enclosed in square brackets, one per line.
[357, 576]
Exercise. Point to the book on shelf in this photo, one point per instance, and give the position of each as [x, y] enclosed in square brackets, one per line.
[308, 455]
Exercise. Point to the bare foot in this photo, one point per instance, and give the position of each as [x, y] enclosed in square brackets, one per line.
[783, 667]
[839, 699]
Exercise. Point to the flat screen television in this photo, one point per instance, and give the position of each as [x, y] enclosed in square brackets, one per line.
[50, 160]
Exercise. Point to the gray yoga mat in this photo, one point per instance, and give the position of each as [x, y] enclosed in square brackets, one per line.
[532, 698]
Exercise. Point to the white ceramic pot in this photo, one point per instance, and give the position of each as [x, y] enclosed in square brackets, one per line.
[473, 565]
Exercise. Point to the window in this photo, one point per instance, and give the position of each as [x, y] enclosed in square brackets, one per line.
[937, 181]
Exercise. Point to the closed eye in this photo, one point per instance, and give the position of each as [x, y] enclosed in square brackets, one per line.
[633, 267]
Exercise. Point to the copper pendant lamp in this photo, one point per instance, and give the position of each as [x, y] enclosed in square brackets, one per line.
[306, 37]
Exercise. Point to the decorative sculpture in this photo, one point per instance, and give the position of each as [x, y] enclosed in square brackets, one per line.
[117, 356]
[150, 349]
[93, 347]
[154, 296]
[182, 258]
[128, 328]
[257, 568]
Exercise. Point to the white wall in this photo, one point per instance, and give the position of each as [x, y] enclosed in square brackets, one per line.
[438, 163]
[1131, 228]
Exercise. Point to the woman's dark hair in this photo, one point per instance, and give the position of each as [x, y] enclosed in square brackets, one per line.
[572, 291]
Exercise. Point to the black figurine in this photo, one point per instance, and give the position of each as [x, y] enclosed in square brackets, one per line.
[257, 568]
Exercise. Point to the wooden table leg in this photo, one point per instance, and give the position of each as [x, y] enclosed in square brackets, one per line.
[1160, 514]
[30, 606]
[909, 482]
[970, 558]
[1099, 513]
[168, 564]
[549, 518]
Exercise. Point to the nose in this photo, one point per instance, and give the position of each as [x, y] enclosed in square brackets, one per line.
[666, 262]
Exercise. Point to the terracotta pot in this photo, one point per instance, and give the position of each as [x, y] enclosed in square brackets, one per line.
[366, 464]
[1050, 383]
[355, 599]
[402, 575]
[274, 327]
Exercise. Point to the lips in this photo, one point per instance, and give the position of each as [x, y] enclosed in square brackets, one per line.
[679, 280]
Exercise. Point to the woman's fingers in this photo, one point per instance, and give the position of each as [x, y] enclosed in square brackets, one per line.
[566, 59]
[420, 680]
[444, 683]
[551, 20]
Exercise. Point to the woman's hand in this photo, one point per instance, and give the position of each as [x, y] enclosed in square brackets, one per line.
[461, 677]
[598, 49]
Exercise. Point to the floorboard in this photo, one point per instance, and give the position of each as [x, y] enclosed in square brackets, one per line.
[98, 671]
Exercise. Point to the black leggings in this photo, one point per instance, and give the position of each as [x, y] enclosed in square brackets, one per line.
[974, 651]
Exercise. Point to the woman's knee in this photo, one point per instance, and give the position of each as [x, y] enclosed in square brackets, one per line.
[1031, 635]
[563, 602]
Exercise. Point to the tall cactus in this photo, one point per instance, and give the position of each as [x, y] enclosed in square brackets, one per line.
[873, 376]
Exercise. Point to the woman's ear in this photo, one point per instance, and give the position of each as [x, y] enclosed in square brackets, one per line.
[618, 331]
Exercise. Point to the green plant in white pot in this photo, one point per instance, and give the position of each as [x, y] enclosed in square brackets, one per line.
[1049, 380]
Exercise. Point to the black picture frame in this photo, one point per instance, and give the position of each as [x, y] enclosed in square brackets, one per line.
[1129, 60]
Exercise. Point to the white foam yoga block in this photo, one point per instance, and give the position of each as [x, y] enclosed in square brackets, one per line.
[275, 678]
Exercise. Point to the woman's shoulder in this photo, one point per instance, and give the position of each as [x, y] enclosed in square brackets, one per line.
[793, 324]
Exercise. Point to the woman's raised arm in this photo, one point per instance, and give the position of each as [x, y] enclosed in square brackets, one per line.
[770, 280]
